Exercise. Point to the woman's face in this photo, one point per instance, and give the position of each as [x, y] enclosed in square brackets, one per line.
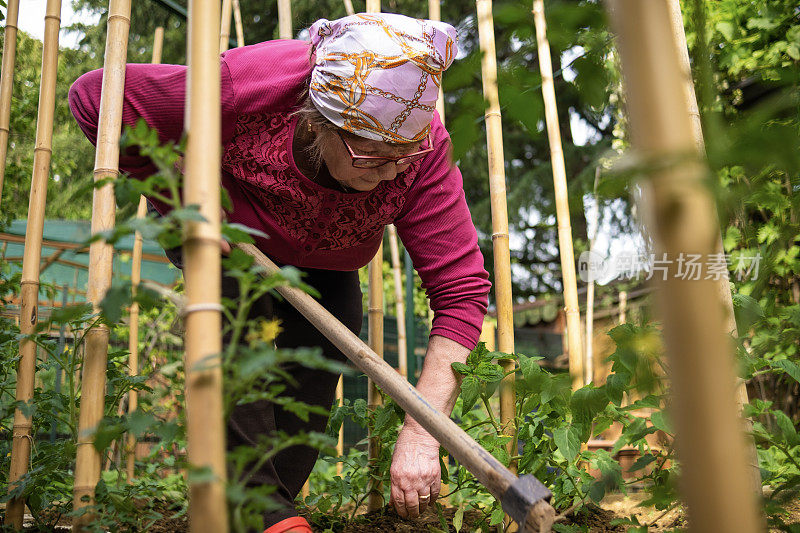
[337, 159]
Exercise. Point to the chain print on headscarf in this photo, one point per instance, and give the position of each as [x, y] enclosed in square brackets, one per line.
[257, 156]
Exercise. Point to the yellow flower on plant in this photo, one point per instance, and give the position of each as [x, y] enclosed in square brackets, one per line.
[265, 331]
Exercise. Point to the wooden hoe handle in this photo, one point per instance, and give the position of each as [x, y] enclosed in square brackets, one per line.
[525, 498]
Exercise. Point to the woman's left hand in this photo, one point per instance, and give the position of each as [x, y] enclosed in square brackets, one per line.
[415, 472]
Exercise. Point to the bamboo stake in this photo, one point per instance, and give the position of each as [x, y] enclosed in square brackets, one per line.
[497, 188]
[284, 19]
[237, 19]
[136, 276]
[623, 306]
[435, 13]
[106, 166]
[399, 308]
[7, 82]
[201, 251]
[373, 6]
[709, 439]
[524, 497]
[225, 26]
[340, 441]
[22, 439]
[574, 343]
[375, 336]
[348, 7]
[724, 286]
[595, 216]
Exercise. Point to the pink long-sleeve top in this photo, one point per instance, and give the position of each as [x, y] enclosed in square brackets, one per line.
[310, 225]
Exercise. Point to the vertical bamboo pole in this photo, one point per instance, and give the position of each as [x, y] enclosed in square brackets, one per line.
[574, 343]
[237, 19]
[375, 337]
[348, 7]
[284, 19]
[340, 441]
[497, 188]
[709, 437]
[201, 251]
[136, 276]
[225, 26]
[158, 45]
[723, 285]
[106, 165]
[7, 82]
[623, 306]
[435, 13]
[402, 355]
[29, 292]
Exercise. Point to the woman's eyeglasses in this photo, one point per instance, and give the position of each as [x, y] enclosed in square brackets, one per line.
[370, 161]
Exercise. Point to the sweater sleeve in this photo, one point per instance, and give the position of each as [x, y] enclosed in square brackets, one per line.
[156, 93]
[437, 230]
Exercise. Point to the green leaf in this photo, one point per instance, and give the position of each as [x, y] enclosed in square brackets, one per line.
[790, 367]
[490, 372]
[470, 390]
[461, 368]
[661, 422]
[616, 384]
[747, 312]
[726, 29]
[360, 407]
[115, 301]
[458, 519]
[497, 517]
[642, 462]
[787, 427]
[568, 441]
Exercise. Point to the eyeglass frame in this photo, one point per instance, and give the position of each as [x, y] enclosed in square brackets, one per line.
[397, 160]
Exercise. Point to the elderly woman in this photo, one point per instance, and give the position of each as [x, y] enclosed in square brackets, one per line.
[324, 144]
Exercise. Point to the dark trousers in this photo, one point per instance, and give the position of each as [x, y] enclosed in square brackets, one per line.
[340, 293]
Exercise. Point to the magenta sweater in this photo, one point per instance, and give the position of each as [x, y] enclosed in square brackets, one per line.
[309, 225]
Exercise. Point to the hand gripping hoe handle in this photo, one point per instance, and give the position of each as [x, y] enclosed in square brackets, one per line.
[525, 498]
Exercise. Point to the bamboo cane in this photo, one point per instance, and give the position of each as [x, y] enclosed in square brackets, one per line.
[523, 497]
[373, 6]
[93, 385]
[201, 252]
[375, 337]
[595, 216]
[709, 439]
[500, 241]
[284, 19]
[574, 343]
[7, 83]
[29, 293]
[340, 441]
[136, 276]
[237, 19]
[225, 26]
[399, 308]
[724, 287]
[435, 13]
[348, 7]
[623, 306]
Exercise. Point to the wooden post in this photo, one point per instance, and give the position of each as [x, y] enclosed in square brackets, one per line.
[497, 188]
[7, 82]
[723, 285]
[205, 428]
[340, 441]
[399, 308]
[375, 337]
[237, 19]
[348, 7]
[709, 438]
[101, 255]
[225, 26]
[570, 285]
[29, 292]
[284, 19]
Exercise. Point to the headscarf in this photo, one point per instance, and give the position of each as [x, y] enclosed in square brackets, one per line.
[377, 75]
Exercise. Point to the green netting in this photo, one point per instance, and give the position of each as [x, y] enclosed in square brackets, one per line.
[72, 275]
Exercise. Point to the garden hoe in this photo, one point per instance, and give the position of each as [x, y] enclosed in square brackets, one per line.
[524, 498]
